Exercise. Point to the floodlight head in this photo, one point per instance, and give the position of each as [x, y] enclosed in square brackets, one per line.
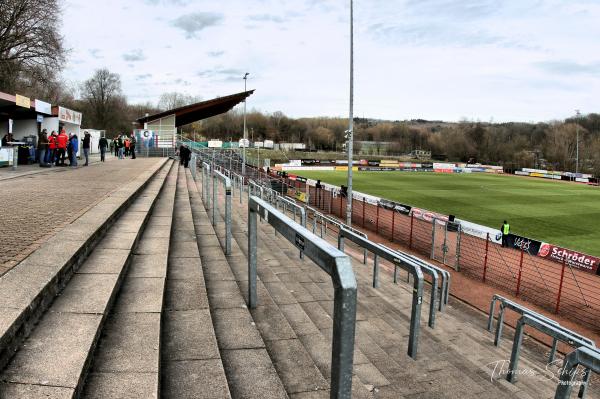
[246, 75]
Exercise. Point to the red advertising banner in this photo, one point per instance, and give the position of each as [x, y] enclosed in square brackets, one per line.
[575, 259]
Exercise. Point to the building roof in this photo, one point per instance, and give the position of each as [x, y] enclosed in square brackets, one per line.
[202, 110]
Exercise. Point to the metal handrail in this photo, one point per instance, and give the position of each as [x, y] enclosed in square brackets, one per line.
[444, 287]
[324, 219]
[411, 267]
[550, 330]
[205, 184]
[333, 262]
[227, 182]
[586, 357]
[522, 310]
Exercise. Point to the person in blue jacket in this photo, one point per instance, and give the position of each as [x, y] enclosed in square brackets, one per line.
[74, 144]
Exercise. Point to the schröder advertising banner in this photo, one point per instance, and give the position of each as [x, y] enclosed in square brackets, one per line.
[574, 259]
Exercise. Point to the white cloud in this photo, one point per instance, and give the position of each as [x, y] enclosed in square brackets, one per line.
[432, 59]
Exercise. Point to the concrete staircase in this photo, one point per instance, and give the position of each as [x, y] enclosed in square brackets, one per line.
[137, 299]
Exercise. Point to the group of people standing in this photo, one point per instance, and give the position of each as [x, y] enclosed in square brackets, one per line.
[54, 148]
[123, 146]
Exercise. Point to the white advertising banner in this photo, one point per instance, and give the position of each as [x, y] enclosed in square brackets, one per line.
[480, 231]
[43, 107]
[69, 116]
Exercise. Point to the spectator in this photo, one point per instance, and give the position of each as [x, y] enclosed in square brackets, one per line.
[126, 144]
[181, 152]
[184, 155]
[74, 148]
[51, 154]
[102, 144]
[132, 144]
[120, 146]
[86, 147]
[61, 147]
[8, 138]
[43, 147]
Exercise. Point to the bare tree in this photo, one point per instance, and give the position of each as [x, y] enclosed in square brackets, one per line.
[31, 48]
[104, 100]
[175, 100]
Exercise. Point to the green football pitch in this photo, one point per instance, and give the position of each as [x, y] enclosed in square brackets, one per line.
[565, 214]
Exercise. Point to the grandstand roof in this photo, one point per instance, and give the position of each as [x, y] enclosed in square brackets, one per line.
[201, 110]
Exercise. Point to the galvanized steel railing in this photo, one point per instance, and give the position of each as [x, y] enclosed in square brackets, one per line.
[227, 182]
[333, 262]
[411, 267]
[586, 357]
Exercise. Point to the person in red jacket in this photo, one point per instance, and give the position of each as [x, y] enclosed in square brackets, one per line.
[51, 148]
[61, 144]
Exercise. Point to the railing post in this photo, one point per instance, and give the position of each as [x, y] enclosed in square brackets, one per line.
[376, 271]
[485, 259]
[412, 220]
[251, 257]
[393, 217]
[520, 272]
[562, 276]
[215, 188]
[228, 220]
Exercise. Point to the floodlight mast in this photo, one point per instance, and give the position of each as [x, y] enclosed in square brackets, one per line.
[244, 140]
[350, 132]
[577, 113]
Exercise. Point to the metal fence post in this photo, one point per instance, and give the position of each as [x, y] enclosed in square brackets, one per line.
[520, 273]
[363, 213]
[433, 239]
[393, 217]
[412, 219]
[458, 239]
[377, 220]
[487, 243]
[562, 276]
[516, 351]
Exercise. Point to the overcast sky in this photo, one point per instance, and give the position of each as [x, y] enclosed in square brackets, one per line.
[522, 60]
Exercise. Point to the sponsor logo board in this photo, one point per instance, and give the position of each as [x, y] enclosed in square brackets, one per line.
[574, 259]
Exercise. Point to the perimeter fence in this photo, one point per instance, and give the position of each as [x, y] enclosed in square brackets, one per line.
[555, 286]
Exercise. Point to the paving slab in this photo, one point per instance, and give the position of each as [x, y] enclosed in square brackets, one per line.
[151, 246]
[130, 343]
[187, 294]
[224, 294]
[189, 338]
[125, 385]
[28, 391]
[272, 323]
[105, 261]
[295, 367]
[141, 294]
[184, 249]
[252, 375]
[184, 268]
[195, 379]
[235, 329]
[60, 338]
[148, 265]
[87, 293]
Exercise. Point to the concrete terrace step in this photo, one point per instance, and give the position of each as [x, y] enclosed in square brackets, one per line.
[27, 290]
[127, 359]
[192, 366]
[453, 359]
[301, 356]
[55, 358]
[249, 369]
